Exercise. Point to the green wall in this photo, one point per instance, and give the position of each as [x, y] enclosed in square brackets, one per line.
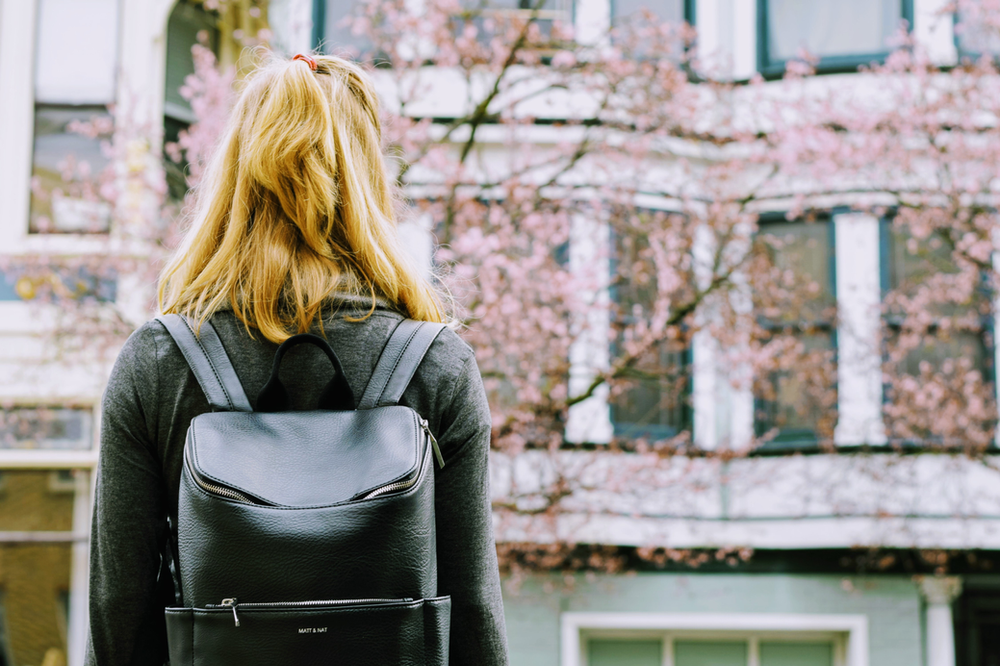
[892, 604]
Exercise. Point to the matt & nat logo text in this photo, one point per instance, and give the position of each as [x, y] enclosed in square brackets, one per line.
[312, 630]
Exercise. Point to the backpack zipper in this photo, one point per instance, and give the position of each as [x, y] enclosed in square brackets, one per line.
[434, 443]
[404, 484]
[232, 602]
[216, 489]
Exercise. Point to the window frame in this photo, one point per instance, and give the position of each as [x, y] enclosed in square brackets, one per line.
[848, 632]
[794, 439]
[829, 65]
[29, 231]
[632, 431]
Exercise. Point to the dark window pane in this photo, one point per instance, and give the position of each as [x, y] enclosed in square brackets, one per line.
[913, 265]
[653, 401]
[668, 11]
[492, 17]
[66, 170]
[804, 251]
[973, 35]
[338, 39]
[830, 29]
[189, 24]
[620, 652]
[800, 403]
[40, 428]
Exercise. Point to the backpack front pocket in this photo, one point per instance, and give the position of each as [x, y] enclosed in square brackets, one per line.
[362, 632]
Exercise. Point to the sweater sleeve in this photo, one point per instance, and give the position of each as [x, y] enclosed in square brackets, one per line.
[467, 558]
[129, 520]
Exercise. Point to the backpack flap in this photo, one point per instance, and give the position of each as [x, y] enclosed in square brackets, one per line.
[301, 459]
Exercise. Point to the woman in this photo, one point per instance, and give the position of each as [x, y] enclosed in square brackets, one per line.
[294, 233]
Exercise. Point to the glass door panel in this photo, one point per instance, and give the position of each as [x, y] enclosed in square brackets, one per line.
[618, 652]
[710, 653]
[795, 654]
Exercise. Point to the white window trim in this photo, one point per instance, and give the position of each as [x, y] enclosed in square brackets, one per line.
[578, 627]
[857, 257]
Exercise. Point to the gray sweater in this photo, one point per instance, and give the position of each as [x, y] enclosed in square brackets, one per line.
[150, 400]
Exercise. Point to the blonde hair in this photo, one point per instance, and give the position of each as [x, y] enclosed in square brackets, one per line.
[296, 204]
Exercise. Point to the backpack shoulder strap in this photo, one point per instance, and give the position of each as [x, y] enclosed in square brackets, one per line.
[208, 361]
[401, 356]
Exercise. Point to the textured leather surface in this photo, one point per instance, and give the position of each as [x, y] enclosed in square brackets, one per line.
[400, 358]
[336, 395]
[377, 548]
[305, 535]
[396, 634]
[437, 630]
[306, 458]
[209, 362]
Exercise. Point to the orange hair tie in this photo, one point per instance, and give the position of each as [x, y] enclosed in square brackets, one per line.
[309, 60]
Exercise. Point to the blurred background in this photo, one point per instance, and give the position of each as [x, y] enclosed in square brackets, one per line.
[729, 267]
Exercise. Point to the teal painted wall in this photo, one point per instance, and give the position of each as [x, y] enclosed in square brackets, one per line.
[892, 604]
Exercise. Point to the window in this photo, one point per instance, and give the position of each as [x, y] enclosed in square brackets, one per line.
[688, 649]
[653, 401]
[973, 36]
[331, 35]
[75, 66]
[627, 18]
[491, 18]
[842, 34]
[956, 340]
[45, 428]
[20, 282]
[977, 622]
[189, 24]
[798, 397]
[5, 658]
[668, 11]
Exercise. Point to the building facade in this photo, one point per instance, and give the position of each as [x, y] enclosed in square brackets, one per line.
[842, 573]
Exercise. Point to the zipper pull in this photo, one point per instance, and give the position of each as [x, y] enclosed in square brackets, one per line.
[434, 442]
[231, 603]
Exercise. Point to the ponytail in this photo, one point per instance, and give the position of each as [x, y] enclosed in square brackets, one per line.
[295, 205]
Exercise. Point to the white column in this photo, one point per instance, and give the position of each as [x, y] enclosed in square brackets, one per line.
[939, 592]
[859, 348]
[704, 390]
[17, 48]
[935, 31]
[590, 420]
[744, 38]
[76, 638]
[592, 20]
[716, 34]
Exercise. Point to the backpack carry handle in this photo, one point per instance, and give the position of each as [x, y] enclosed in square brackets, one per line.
[336, 396]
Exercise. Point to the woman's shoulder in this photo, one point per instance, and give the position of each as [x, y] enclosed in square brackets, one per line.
[450, 350]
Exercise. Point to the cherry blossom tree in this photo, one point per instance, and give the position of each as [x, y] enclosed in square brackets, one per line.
[611, 194]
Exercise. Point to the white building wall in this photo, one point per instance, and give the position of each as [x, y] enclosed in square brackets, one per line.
[779, 517]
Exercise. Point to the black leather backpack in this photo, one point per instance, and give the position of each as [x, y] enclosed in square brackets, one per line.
[307, 537]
